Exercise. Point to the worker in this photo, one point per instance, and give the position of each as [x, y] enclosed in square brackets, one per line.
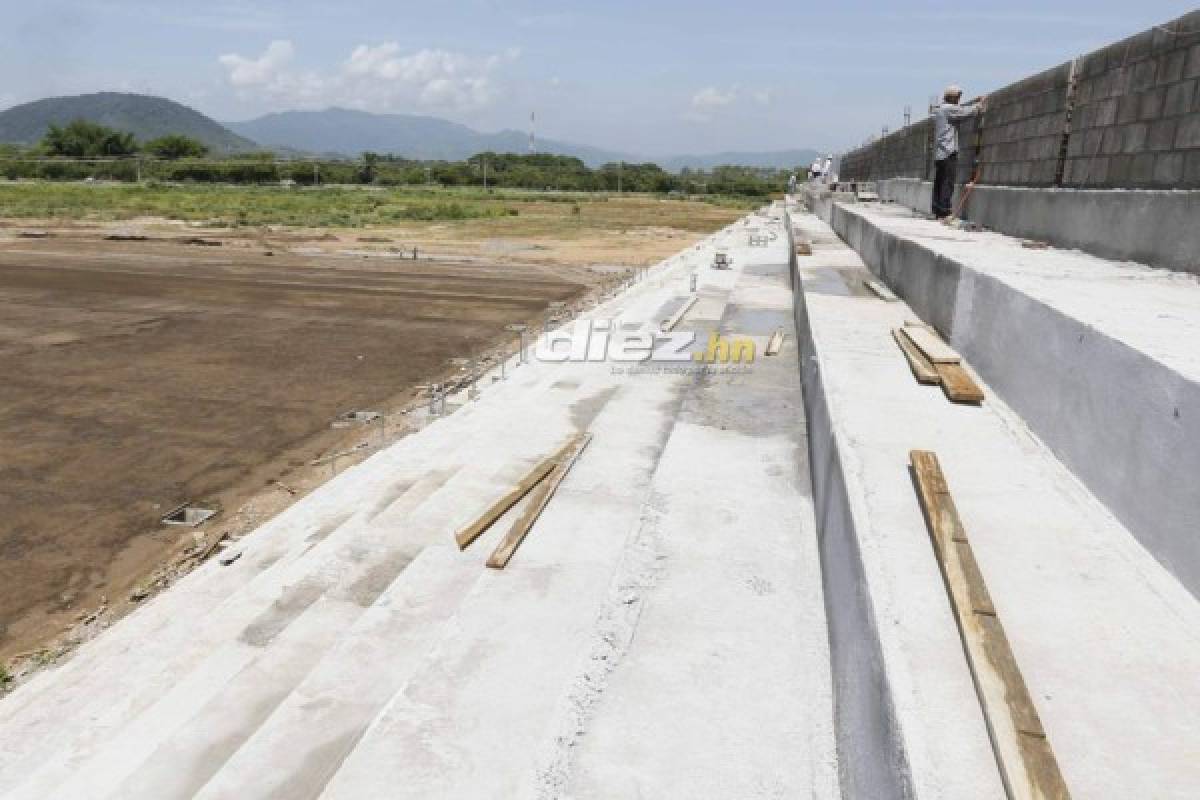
[827, 167]
[814, 171]
[946, 117]
[792, 184]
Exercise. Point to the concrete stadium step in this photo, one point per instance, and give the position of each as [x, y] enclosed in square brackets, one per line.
[299, 747]
[273, 546]
[723, 586]
[518, 653]
[346, 555]
[1098, 357]
[1105, 636]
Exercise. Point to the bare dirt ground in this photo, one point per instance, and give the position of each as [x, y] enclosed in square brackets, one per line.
[206, 365]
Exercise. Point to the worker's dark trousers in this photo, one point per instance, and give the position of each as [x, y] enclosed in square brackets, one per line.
[945, 171]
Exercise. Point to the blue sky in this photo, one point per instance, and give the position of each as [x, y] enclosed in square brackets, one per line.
[652, 77]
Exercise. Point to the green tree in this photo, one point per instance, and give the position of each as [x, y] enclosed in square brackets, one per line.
[175, 145]
[370, 168]
[83, 139]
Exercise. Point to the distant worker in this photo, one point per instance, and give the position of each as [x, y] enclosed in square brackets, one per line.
[946, 117]
[792, 184]
[814, 171]
[827, 167]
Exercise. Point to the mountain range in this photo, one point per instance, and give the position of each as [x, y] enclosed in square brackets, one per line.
[332, 132]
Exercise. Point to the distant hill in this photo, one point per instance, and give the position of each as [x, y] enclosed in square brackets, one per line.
[144, 116]
[347, 132]
[779, 159]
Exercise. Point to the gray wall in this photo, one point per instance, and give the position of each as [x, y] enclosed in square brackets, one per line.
[1125, 116]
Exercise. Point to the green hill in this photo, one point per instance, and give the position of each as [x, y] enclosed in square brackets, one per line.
[144, 116]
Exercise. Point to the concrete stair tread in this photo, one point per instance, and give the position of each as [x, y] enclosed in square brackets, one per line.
[1106, 637]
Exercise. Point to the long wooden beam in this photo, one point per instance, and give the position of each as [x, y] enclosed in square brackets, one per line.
[1027, 764]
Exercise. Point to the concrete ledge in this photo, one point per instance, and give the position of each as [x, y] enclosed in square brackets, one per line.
[1103, 634]
[1148, 226]
[1099, 358]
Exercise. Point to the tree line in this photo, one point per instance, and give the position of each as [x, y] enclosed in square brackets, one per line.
[116, 155]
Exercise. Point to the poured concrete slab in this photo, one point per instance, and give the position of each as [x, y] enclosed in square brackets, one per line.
[1106, 637]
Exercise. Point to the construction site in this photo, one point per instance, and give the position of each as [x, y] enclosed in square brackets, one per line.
[832, 499]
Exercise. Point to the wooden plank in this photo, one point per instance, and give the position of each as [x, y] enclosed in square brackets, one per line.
[958, 384]
[537, 502]
[929, 343]
[775, 343]
[497, 509]
[669, 324]
[1026, 761]
[881, 291]
[923, 371]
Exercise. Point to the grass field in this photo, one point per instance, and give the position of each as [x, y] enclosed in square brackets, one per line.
[523, 212]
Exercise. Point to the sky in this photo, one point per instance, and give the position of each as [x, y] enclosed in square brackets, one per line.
[657, 77]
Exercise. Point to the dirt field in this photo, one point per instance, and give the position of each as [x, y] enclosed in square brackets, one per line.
[139, 375]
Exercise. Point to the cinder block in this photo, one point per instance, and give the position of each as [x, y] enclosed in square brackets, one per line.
[1161, 135]
[1105, 112]
[1133, 137]
[1152, 104]
[1191, 169]
[1120, 168]
[1143, 76]
[1127, 109]
[1168, 169]
[1179, 98]
[1170, 66]
[1188, 134]
[1141, 173]
[1192, 70]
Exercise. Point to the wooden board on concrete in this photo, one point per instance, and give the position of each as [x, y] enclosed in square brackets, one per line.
[669, 324]
[922, 370]
[516, 534]
[775, 343]
[497, 509]
[881, 291]
[929, 343]
[1027, 763]
[958, 384]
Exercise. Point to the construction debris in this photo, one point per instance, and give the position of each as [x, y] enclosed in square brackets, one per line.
[1027, 764]
[918, 342]
[516, 534]
[775, 343]
[882, 292]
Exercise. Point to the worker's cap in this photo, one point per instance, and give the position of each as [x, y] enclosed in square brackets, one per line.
[952, 90]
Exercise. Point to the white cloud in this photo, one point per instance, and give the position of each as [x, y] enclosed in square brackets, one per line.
[375, 77]
[764, 97]
[259, 71]
[711, 98]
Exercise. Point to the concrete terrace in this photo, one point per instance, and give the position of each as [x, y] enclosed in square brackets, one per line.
[733, 594]
[661, 632]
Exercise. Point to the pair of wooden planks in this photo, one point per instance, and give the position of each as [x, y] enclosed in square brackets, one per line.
[544, 478]
[934, 362]
[1027, 763]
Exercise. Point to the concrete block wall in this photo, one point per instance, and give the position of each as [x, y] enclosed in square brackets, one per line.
[906, 153]
[1126, 116]
[1022, 132]
[1137, 112]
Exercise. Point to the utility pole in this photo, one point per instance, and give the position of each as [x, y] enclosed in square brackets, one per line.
[316, 173]
[907, 116]
[485, 173]
[620, 168]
